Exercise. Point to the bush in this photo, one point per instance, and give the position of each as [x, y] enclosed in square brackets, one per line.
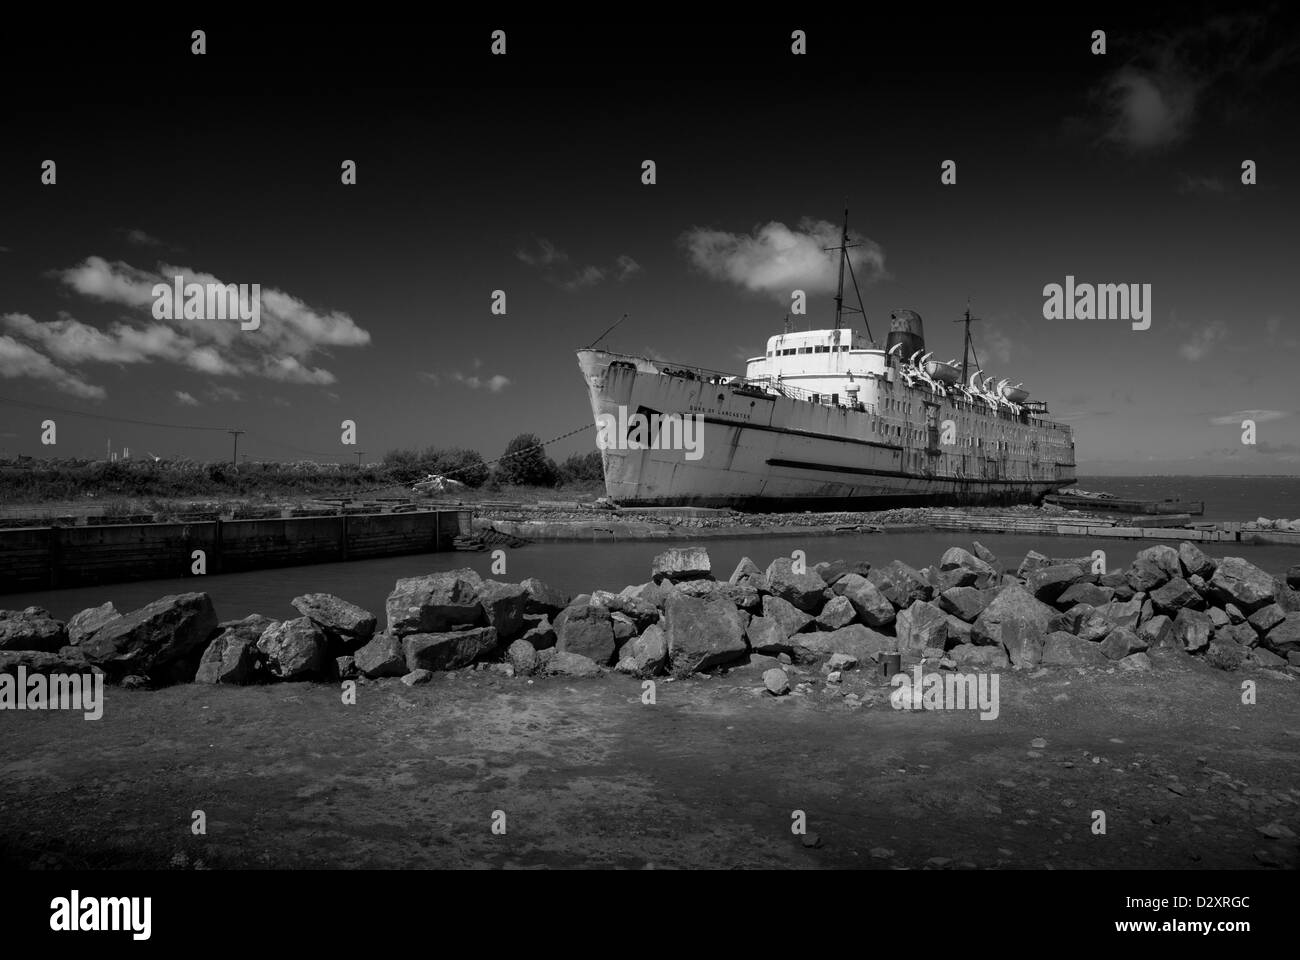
[407, 466]
[583, 470]
[525, 463]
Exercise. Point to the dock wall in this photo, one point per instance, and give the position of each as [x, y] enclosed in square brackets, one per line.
[40, 558]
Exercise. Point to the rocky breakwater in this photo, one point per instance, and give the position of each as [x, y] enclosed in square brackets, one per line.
[967, 611]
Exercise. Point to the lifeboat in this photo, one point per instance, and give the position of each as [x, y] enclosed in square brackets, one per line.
[1016, 394]
[943, 372]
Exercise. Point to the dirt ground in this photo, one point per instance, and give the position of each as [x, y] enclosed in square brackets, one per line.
[708, 776]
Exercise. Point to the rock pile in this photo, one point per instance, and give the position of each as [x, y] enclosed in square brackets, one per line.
[966, 611]
[1264, 523]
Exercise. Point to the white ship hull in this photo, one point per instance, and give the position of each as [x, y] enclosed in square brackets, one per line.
[764, 450]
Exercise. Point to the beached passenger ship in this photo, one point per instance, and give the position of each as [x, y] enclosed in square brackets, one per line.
[828, 419]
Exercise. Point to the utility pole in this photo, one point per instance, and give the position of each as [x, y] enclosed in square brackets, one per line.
[234, 456]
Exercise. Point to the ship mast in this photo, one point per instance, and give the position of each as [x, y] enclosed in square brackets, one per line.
[843, 248]
[967, 347]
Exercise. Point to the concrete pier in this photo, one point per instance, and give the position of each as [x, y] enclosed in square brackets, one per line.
[37, 558]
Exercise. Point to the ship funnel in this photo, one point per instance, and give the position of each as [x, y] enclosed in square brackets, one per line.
[905, 328]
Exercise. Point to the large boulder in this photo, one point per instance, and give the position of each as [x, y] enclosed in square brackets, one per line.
[699, 589]
[855, 639]
[1192, 629]
[743, 595]
[230, 658]
[1023, 641]
[640, 610]
[295, 649]
[31, 629]
[1266, 618]
[837, 613]
[343, 622]
[434, 603]
[647, 653]
[791, 619]
[1154, 567]
[163, 640]
[1175, 595]
[69, 659]
[1121, 642]
[747, 573]
[589, 632]
[504, 605]
[1242, 634]
[233, 656]
[1284, 638]
[920, 627]
[1033, 560]
[522, 656]
[1093, 594]
[805, 591]
[1241, 583]
[955, 558]
[383, 656]
[985, 554]
[571, 665]
[1157, 632]
[966, 603]
[1123, 613]
[1061, 649]
[1048, 583]
[768, 635]
[1195, 562]
[979, 656]
[84, 624]
[542, 598]
[703, 633]
[870, 605]
[1293, 576]
[1011, 601]
[832, 572]
[682, 563]
[901, 584]
[655, 594]
[449, 650]
[1085, 623]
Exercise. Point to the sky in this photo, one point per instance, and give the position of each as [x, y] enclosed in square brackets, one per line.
[524, 174]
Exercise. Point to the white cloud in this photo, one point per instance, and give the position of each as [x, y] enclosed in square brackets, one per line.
[586, 277]
[220, 392]
[776, 260]
[1203, 341]
[142, 239]
[281, 349]
[495, 383]
[186, 399]
[547, 254]
[1259, 416]
[557, 267]
[993, 345]
[1149, 110]
[20, 360]
[627, 267]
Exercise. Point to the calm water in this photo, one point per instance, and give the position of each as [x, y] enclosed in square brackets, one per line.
[576, 568]
[1226, 498]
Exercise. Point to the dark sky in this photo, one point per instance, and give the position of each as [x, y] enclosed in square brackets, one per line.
[523, 173]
